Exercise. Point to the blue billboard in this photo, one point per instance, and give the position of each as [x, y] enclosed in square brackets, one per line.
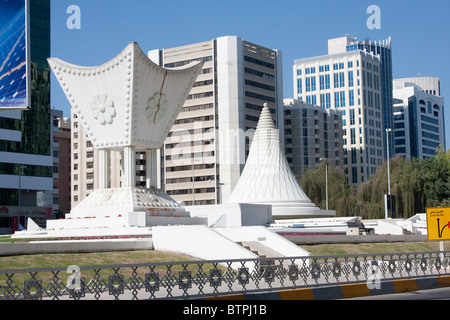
[14, 68]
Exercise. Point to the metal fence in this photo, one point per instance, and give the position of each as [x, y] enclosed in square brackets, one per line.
[194, 279]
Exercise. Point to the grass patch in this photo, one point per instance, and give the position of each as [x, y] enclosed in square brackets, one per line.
[367, 248]
[45, 261]
[88, 259]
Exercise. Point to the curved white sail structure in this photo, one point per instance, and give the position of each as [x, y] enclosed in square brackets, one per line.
[126, 105]
[268, 179]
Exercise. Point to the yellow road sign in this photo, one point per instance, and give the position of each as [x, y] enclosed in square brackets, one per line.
[438, 224]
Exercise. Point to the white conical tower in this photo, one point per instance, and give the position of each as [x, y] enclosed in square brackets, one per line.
[268, 179]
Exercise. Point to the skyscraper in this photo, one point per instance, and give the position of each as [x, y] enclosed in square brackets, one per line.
[312, 133]
[384, 50]
[26, 162]
[207, 147]
[418, 117]
[351, 83]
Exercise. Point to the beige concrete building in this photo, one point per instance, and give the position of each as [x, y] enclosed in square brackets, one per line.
[312, 133]
[207, 147]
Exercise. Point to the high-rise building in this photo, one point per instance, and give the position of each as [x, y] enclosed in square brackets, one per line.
[26, 162]
[61, 162]
[207, 147]
[384, 50]
[418, 117]
[312, 133]
[351, 83]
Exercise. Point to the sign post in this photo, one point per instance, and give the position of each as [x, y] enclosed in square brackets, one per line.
[438, 225]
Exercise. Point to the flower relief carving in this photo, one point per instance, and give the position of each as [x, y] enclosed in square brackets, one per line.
[102, 108]
[156, 107]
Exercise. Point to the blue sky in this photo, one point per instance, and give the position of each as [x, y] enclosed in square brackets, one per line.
[420, 31]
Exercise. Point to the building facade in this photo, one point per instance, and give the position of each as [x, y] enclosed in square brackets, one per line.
[418, 117]
[207, 147]
[312, 133]
[26, 162]
[384, 51]
[61, 162]
[349, 82]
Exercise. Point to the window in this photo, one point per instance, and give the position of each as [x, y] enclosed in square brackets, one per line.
[336, 80]
[299, 85]
[327, 81]
[313, 84]
[308, 84]
[353, 155]
[354, 175]
[351, 98]
[336, 100]
[353, 135]
[350, 78]
[342, 94]
[341, 79]
[322, 82]
[352, 117]
[328, 100]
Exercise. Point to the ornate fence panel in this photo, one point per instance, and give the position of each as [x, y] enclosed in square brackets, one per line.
[186, 280]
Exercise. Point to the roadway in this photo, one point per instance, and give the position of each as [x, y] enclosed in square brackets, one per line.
[430, 294]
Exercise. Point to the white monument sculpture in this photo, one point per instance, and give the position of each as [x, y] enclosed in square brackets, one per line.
[268, 179]
[128, 104]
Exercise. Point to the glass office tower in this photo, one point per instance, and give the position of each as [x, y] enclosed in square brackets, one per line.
[384, 49]
[26, 162]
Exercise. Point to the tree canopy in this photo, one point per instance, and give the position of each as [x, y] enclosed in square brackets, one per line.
[416, 185]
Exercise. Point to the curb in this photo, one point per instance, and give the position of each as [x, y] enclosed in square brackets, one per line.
[344, 291]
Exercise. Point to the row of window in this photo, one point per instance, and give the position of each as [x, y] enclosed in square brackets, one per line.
[326, 68]
[325, 82]
[189, 191]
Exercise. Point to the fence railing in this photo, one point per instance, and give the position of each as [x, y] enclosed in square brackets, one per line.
[194, 279]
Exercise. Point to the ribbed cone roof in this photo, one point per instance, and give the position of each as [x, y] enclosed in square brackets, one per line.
[265, 119]
[267, 177]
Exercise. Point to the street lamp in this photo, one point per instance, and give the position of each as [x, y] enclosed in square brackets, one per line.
[326, 179]
[388, 174]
